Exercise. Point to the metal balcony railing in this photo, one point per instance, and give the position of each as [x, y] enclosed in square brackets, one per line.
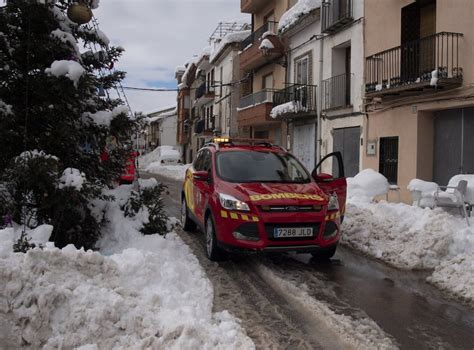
[257, 34]
[203, 89]
[262, 96]
[336, 14]
[303, 95]
[337, 92]
[415, 62]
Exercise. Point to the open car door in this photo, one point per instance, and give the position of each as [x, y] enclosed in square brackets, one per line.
[333, 183]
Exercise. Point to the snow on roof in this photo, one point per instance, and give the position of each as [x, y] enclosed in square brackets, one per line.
[69, 69]
[205, 52]
[184, 79]
[301, 8]
[180, 69]
[230, 38]
[161, 110]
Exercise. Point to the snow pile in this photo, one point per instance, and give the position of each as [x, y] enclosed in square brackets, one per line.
[422, 192]
[176, 172]
[434, 78]
[72, 178]
[235, 37]
[410, 237]
[367, 184]
[39, 236]
[289, 107]
[70, 69]
[453, 182]
[150, 292]
[5, 109]
[158, 154]
[104, 118]
[266, 44]
[301, 8]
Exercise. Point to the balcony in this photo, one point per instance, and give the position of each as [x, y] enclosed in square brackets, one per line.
[335, 15]
[300, 100]
[336, 92]
[252, 56]
[204, 94]
[417, 66]
[252, 6]
[255, 109]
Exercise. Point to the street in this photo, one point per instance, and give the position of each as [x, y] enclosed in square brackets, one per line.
[257, 289]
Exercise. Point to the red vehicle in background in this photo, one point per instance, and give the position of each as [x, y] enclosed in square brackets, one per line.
[258, 197]
[130, 170]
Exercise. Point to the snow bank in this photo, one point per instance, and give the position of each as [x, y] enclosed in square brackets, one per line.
[176, 172]
[367, 184]
[73, 178]
[158, 154]
[145, 292]
[70, 69]
[301, 8]
[410, 237]
[422, 192]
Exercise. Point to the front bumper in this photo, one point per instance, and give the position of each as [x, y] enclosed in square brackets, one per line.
[255, 231]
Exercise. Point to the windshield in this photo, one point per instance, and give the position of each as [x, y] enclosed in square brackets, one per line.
[257, 166]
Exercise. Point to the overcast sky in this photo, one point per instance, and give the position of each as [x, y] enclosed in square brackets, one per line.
[159, 35]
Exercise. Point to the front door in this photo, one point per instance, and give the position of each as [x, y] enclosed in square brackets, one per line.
[347, 141]
[335, 182]
[304, 141]
[202, 188]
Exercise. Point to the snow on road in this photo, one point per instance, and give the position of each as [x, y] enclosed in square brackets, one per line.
[410, 237]
[141, 292]
[152, 163]
[341, 331]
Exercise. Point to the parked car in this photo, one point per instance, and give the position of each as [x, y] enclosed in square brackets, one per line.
[259, 198]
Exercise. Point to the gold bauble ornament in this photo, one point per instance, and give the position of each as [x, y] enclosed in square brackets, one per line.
[79, 13]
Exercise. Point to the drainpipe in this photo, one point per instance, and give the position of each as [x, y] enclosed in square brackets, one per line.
[320, 101]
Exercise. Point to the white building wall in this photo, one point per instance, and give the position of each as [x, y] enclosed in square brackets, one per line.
[354, 34]
[223, 101]
[168, 131]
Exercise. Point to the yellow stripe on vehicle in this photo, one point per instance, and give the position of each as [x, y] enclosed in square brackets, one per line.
[245, 217]
[224, 214]
[255, 219]
[234, 216]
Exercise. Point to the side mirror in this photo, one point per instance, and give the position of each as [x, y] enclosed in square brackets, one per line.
[201, 175]
[322, 177]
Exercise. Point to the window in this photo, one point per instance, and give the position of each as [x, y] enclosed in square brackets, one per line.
[267, 81]
[302, 70]
[254, 166]
[198, 162]
[388, 162]
[221, 81]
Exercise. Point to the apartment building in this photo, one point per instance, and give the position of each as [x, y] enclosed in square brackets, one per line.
[342, 79]
[419, 89]
[262, 69]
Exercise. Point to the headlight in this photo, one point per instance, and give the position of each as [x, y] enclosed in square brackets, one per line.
[333, 202]
[231, 203]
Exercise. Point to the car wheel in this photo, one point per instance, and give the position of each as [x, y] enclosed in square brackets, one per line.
[186, 222]
[324, 254]
[213, 252]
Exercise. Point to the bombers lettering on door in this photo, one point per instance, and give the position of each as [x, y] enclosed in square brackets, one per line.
[262, 197]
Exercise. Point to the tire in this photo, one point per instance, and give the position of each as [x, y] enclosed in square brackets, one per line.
[213, 252]
[324, 255]
[187, 223]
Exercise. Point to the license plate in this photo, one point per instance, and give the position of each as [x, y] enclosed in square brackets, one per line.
[284, 232]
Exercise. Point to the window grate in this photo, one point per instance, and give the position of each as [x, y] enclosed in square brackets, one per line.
[388, 163]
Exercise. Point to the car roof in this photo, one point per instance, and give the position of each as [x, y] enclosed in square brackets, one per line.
[231, 146]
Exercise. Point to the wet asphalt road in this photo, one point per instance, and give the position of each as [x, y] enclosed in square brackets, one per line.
[414, 314]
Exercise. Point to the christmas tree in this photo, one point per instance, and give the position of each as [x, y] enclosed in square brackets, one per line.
[61, 142]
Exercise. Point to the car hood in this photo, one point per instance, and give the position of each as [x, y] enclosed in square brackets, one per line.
[278, 193]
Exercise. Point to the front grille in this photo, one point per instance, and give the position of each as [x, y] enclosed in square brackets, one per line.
[290, 208]
[269, 229]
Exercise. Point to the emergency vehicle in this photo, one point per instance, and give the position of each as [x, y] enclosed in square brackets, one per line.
[256, 197]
